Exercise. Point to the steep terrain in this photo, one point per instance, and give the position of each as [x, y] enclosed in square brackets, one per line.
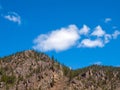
[30, 70]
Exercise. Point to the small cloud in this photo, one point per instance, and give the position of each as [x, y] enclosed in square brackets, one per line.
[1, 7]
[114, 27]
[14, 17]
[116, 34]
[84, 30]
[107, 38]
[57, 40]
[107, 20]
[91, 43]
[99, 32]
[98, 63]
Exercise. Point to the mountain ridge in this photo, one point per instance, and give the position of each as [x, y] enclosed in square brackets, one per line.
[31, 70]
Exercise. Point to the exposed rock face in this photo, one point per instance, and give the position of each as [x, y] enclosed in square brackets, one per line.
[102, 79]
[30, 70]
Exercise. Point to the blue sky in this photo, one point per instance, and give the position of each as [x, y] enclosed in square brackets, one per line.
[77, 32]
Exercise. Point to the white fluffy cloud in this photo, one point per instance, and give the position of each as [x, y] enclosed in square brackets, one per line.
[91, 43]
[116, 34]
[57, 40]
[99, 41]
[99, 32]
[14, 17]
[107, 20]
[66, 37]
[84, 30]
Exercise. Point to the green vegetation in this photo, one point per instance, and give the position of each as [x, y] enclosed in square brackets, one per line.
[66, 70]
[8, 79]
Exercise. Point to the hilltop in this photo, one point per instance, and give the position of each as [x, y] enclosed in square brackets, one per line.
[31, 70]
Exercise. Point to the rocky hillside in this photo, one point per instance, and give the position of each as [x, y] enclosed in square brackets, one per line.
[30, 70]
